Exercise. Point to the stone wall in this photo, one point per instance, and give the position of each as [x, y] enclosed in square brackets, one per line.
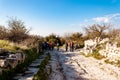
[111, 51]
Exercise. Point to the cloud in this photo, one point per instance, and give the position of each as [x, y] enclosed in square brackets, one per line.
[110, 19]
[101, 19]
[107, 18]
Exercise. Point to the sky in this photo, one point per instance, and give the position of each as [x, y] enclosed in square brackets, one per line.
[60, 16]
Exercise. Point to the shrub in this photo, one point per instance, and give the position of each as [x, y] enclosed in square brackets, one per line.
[3, 32]
[17, 30]
[97, 55]
[9, 46]
[4, 43]
[112, 62]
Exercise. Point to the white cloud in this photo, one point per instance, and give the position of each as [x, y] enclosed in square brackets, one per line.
[101, 19]
[107, 18]
[111, 18]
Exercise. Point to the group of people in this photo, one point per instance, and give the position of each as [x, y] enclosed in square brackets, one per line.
[47, 46]
[69, 46]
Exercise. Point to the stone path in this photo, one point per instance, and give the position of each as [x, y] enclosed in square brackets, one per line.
[55, 66]
[31, 70]
[74, 66]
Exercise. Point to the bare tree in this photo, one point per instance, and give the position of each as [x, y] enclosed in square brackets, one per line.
[114, 33]
[97, 30]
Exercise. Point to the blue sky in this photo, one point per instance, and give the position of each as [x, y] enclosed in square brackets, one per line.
[59, 16]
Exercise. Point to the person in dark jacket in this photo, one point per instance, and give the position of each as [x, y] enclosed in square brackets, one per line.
[66, 46]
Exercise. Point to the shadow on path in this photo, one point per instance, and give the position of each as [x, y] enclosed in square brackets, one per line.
[70, 69]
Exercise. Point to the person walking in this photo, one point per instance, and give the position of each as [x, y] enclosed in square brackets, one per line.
[66, 46]
[58, 46]
[71, 46]
[51, 45]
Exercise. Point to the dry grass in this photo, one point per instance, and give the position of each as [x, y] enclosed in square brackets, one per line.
[9, 46]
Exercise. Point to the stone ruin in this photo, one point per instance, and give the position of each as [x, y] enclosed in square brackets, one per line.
[111, 51]
[90, 45]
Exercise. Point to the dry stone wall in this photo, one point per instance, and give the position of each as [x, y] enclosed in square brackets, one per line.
[111, 51]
